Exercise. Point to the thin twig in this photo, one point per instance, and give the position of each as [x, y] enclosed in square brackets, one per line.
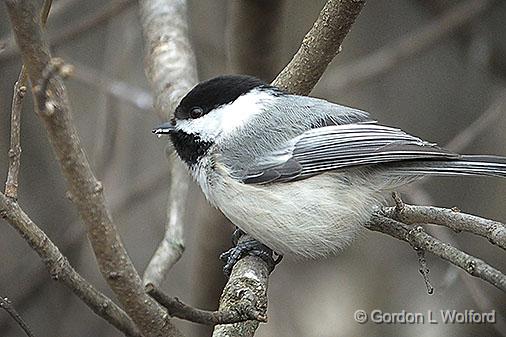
[494, 231]
[85, 190]
[391, 55]
[419, 239]
[320, 45]
[61, 270]
[178, 309]
[6, 304]
[12, 182]
[172, 72]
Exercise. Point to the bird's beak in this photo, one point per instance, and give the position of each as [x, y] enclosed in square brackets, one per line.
[165, 128]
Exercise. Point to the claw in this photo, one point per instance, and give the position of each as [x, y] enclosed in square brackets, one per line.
[248, 247]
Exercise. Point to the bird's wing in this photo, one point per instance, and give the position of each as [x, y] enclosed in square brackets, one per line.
[340, 146]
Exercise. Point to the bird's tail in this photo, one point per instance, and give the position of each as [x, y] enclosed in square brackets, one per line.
[474, 165]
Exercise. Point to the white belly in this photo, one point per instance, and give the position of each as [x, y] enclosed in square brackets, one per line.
[320, 219]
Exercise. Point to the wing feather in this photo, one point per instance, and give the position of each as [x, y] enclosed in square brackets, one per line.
[340, 146]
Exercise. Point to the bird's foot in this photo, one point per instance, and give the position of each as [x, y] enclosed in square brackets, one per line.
[247, 247]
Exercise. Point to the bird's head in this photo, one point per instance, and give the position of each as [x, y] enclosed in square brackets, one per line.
[214, 110]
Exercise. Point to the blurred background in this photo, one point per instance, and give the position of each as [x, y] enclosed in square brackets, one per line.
[441, 77]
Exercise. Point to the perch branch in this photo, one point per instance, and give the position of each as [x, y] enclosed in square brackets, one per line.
[391, 55]
[171, 70]
[61, 270]
[178, 309]
[419, 239]
[85, 190]
[247, 286]
[9, 308]
[320, 45]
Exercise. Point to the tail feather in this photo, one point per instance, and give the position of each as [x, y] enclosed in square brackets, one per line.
[474, 165]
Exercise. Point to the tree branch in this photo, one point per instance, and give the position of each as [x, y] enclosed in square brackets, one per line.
[494, 231]
[84, 189]
[320, 45]
[61, 270]
[171, 70]
[419, 239]
[11, 184]
[178, 309]
[9, 308]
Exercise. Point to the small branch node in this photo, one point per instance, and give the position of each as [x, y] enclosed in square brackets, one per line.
[70, 196]
[58, 267]
[114, 275]
[55, 67]
[471, 267]
[49, 108]
[424, 270]
[399, 204]
[21, 92]
[99, 187]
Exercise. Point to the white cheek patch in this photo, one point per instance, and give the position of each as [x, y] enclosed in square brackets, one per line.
[221, 121]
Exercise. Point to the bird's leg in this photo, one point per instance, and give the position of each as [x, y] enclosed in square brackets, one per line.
[247, 247]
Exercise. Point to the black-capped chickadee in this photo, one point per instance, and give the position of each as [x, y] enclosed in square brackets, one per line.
[299, 174]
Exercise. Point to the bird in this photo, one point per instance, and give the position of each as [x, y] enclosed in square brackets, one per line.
[299, 174]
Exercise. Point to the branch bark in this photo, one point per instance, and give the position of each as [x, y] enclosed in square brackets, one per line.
[61, 270]
[11, 184]
[172, 72]
[85, 190]
[494, 231]
[247, 285]
[320, 45]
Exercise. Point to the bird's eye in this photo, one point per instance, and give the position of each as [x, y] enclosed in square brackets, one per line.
[196, 112]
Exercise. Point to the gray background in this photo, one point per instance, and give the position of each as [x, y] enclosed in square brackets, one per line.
[435, 95]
